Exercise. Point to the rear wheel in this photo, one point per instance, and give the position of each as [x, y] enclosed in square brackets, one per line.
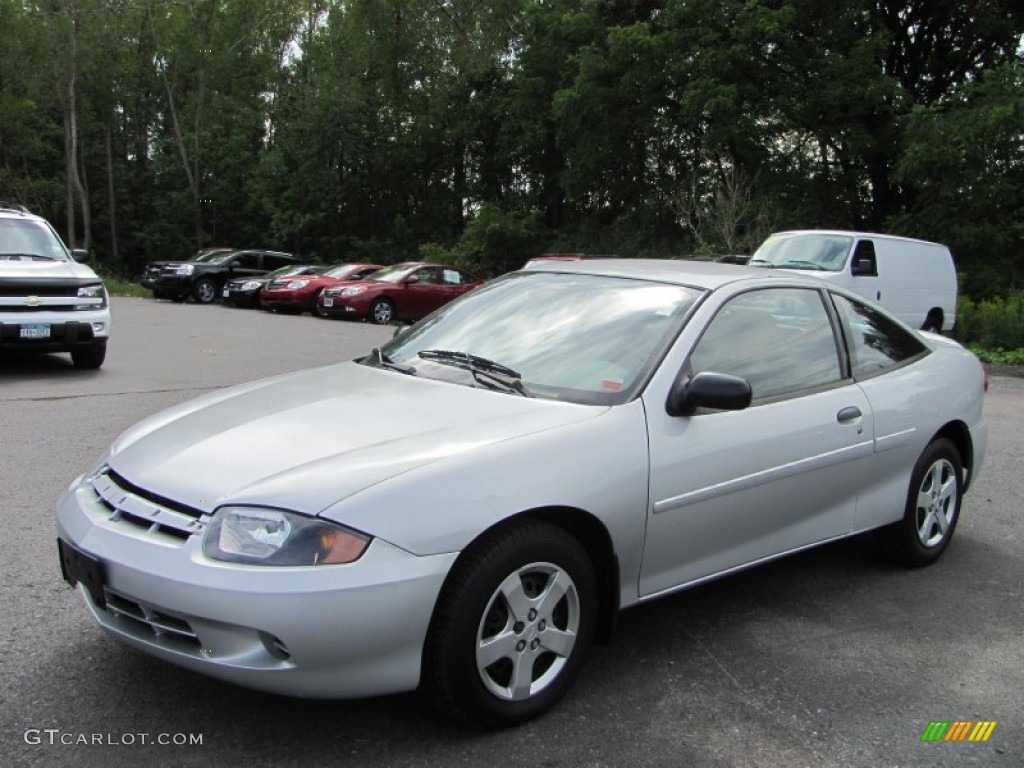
[512, 626]
[933, 507]
[382, 312]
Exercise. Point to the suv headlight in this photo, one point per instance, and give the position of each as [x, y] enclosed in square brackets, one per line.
[184, 269]
[92, 292]
[251, 285]
[262, 536]
[353, 291]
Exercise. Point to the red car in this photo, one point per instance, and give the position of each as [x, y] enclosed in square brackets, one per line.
[406, 291]
[299, 294]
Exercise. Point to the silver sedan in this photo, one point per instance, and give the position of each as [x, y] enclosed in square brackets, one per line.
[467, 508]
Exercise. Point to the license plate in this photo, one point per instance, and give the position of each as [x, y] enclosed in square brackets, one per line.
[35, 331]
[226, 293]
[80, 568]
[328, 302]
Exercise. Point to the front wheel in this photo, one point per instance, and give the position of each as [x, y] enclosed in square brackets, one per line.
[382, 312]
[933, 507]
[204, 291]
[512, 626]
[89, 358]
[314, 306]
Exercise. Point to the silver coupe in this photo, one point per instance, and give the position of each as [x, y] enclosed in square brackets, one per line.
[466, 509]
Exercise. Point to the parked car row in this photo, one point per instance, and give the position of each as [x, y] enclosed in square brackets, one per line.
[251, 278]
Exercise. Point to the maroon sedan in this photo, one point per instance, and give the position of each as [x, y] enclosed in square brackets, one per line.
[298, 294]
[406, 291]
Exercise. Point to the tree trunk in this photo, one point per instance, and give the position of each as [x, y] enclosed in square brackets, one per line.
[111, 197]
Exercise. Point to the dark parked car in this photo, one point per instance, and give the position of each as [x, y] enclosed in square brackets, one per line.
[298, 294]
[245, 291]
[204, 276]
[406, 291]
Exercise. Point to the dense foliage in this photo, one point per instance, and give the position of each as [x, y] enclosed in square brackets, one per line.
[489, 130]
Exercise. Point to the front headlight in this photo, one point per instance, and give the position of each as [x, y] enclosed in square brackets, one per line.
[294, 285]
[184, 269]
[251, 285]
[263, 536]
[92, 292]
[353, 291]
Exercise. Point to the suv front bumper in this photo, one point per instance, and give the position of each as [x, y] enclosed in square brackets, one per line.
[51, 331]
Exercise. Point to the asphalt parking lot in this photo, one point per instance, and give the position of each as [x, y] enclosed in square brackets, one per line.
[828, 658]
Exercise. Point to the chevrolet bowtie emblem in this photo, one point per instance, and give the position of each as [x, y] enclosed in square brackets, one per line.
[33, 301]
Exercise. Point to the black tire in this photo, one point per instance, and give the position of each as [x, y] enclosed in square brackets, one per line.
[89, 358]
[314, 305]
[382, 312]
[204, 291]
[933, 322]
[535, 557]
[932, 510]
[159, 294]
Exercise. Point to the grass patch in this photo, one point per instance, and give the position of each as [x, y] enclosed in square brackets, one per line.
[118, 286]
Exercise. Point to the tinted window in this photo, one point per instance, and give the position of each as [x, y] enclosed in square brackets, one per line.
[273, 261]
[778, 339]
[246, 261]
[429, 276]
[876, 342]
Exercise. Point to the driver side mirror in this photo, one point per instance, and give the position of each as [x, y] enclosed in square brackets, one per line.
[80, 254]
[707, 389]
[412, 279]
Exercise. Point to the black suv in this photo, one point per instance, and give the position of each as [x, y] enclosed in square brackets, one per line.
[204, 275]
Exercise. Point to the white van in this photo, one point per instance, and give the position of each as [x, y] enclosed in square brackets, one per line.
[913, 279]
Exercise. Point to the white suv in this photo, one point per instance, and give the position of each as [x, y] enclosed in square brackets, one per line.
[48, 301]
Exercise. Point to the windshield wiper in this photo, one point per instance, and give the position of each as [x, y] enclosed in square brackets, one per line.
[803, 265]
[761, 261]
[383, 361]
[487, 372]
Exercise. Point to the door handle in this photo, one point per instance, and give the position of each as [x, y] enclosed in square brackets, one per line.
[848, 414]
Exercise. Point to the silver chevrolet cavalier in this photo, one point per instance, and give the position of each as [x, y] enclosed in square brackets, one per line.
[467, 508]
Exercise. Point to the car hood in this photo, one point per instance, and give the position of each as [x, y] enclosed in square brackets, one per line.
[46, 270]
[307, 440]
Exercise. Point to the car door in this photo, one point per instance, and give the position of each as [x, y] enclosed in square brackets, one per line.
[880, 355]
[245, 264]
[730, 488]
[423, 296]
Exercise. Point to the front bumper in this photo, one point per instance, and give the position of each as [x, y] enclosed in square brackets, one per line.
[285, 299]
[54, 331]
[347, 306]
[241, 298]
[325, 632]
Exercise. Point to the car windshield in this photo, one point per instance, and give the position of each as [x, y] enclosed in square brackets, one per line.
[581, 338]
[28, 240]
[343, 270]
[211, 255]
[393, 274]
[812, 251]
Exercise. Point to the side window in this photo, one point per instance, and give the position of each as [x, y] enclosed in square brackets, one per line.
[452, 277]
[876, 342]
[429, 276]
[274, 261]
[864, 262]
[779, 339]
[247, 261]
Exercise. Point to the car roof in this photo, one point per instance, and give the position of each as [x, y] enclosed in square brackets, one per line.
[709, 275]
[850, 233]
